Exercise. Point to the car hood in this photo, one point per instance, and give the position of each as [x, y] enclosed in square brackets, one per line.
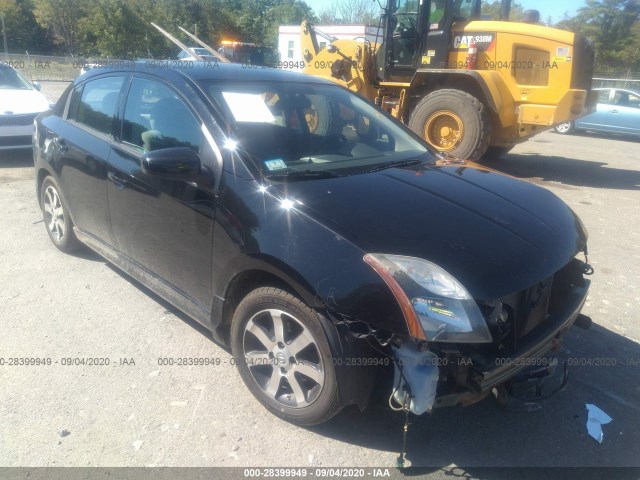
[495, 234]
[16, 102]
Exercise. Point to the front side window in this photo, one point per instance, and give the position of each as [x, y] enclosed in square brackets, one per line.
[155, 118]
[97, 106]
[287, 128]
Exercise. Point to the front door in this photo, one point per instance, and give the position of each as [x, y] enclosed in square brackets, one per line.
[165, 226]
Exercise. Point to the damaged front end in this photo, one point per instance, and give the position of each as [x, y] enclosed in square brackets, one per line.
[461, 350]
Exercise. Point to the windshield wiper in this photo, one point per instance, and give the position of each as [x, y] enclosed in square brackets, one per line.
[305, 174]
[395, 163]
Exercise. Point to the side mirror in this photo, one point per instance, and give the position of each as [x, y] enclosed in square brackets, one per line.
[37, 86]
[179, 163]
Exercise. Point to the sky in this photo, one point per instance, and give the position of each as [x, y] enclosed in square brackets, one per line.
[555, 8]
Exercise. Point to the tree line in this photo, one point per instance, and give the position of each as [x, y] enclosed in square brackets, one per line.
[122, 29]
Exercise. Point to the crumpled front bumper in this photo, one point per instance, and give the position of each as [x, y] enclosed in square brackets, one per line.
[484, 373]
[487, 373]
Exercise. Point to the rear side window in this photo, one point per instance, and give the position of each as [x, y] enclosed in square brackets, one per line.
[98, 103]
[155, 118]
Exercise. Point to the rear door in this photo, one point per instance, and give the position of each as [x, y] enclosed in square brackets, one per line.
[164, 226]
[83, 141]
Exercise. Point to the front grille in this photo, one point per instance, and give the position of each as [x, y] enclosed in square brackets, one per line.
[17, 120]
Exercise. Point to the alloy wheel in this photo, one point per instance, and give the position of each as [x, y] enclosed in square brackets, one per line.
[54, 216]
[283, 358]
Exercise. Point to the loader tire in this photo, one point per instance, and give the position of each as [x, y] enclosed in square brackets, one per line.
[453, 122]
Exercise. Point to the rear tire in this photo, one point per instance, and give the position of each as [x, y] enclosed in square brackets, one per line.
[56, 217]
[284, 357]
[564, 128]
[453, 122]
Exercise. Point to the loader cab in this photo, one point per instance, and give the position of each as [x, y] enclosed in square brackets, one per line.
[417, 34]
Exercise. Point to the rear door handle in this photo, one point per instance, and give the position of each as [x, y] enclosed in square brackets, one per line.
[614, 111]
[117, 180]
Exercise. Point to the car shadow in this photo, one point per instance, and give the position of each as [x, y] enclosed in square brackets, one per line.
[485, 435]
[85, 253]
[567, 171]
[16, 158]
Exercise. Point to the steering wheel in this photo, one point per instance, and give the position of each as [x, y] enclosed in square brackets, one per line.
[407, 25]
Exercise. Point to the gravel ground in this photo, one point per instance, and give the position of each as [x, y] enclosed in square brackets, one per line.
[137, 413]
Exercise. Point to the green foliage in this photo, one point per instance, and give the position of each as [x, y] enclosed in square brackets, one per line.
[492, 11]
[351, 12]
[61, 18]
[614, 27]
[24, 34]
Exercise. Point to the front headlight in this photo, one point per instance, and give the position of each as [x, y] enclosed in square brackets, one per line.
[427, 294]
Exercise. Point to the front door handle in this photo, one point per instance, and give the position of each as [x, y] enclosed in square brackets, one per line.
[614, 111]
[117, 180]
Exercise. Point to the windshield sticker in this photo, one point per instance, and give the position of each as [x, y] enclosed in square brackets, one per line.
[276, 164]
[248, 107]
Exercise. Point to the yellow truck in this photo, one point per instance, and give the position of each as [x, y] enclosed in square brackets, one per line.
[470, 87]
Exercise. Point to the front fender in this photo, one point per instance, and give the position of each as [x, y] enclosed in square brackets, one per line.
[324, 269]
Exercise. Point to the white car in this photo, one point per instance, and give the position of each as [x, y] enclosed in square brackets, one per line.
[20, 103]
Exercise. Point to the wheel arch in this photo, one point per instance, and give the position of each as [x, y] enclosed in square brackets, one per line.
[41, 175]
[354, 384]
[248, 278]
[44, 172]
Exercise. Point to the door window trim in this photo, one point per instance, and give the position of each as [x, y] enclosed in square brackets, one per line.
[110, 138]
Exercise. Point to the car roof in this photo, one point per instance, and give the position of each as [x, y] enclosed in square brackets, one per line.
[198, 71]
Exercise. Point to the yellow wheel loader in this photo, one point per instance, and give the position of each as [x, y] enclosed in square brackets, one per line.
[470, 87]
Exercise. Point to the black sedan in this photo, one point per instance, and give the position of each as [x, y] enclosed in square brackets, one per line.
[319, 239]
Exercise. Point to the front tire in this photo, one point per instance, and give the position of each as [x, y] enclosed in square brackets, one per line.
[284, 357]
[453, 122]
[56, 217]
[564, 128]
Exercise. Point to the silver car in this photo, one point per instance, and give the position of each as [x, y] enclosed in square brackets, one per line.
[618, 112]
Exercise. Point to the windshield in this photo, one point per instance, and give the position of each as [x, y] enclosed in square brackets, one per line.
[10, 79]
[288, 128]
